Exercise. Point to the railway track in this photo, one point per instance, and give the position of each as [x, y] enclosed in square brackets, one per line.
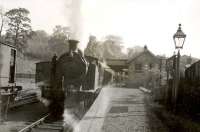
[44, 125]
[49, 124]
[24, 100]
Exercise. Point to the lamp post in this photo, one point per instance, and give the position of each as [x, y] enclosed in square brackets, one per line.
[179, 39]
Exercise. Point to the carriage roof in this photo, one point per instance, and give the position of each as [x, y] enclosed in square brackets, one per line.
[6, 44]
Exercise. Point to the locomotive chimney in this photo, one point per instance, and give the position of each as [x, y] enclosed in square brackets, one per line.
[73, 46]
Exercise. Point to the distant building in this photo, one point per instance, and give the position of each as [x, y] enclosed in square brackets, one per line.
[142, 68]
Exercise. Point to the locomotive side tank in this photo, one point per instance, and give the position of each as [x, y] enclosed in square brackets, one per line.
[91, 81]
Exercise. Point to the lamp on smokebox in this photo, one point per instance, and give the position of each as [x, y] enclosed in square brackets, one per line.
[179, 38]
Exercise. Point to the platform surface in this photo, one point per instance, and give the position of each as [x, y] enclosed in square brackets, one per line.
[120, 110]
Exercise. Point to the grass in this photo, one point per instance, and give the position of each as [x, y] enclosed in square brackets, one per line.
[179, 122]
[176, 122]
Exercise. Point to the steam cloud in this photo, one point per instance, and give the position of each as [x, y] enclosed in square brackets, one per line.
[75, 18]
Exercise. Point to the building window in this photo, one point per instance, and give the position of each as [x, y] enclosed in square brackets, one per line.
[138, 67]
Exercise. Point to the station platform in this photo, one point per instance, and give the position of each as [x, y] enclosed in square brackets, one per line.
[120, 110]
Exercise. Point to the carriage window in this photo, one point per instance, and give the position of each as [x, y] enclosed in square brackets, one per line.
[12, 66]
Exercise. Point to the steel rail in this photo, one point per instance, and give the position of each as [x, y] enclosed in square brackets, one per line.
[29, 127]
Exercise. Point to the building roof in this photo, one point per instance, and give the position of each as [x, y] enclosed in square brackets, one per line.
[146, 50]
[117, 64]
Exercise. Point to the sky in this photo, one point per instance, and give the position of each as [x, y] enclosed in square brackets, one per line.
[138, 22]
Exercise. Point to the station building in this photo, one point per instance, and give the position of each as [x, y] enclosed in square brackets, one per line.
[142, 69]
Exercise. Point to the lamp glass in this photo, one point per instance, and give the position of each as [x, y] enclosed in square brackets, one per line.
[179, 42]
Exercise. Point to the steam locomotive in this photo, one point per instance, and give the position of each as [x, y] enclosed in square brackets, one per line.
[75, 74]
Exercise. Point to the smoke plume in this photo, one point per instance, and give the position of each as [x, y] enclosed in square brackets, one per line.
[74, 18]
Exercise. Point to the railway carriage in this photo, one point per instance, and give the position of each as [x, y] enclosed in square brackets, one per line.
[8, 88]
[11, 93]
[7, 64]
[8, 69]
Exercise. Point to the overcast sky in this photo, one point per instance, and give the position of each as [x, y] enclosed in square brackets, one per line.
[139, 22]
